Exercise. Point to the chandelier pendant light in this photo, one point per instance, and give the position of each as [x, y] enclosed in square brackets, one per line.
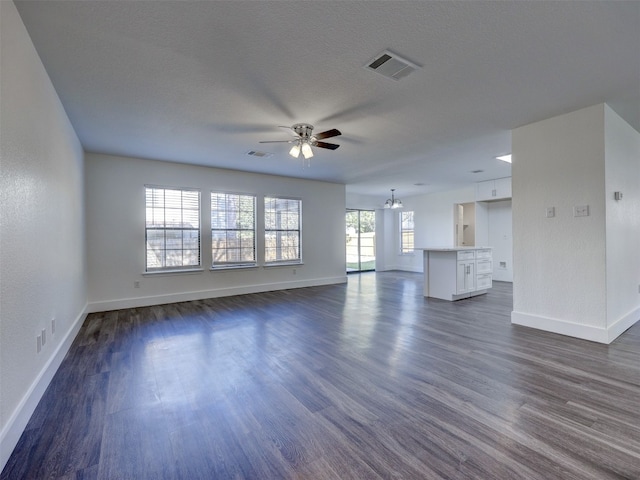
[393, 202]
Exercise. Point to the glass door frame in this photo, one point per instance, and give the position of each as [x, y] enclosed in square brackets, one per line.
[359, 245]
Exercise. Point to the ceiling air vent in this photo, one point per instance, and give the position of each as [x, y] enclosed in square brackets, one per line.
[256, 153]
[391, 65]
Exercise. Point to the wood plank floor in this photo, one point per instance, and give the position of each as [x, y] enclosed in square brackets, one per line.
[366, 380]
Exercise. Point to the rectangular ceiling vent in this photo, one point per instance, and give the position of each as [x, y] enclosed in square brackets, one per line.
[256, 153]
[391, 65]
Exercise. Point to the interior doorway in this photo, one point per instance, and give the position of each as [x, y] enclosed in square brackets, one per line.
[361, 240]
[465, 224]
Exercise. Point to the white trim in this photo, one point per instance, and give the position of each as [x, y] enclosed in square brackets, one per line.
[236, 266]
[108, 305]
[584, 332]
[176, 271]
[282, 264]
[618, 327]
[18, 420]
[403, 268]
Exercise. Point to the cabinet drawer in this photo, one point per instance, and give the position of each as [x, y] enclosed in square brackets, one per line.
[466, 255]
[485, 253]
[483, 281]
[484, 266]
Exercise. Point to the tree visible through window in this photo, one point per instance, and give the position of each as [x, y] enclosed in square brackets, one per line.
[172, 231]
[406, 232]
[282, 229]
[233, 229]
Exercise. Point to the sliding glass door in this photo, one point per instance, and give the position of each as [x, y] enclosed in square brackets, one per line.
[361, 240]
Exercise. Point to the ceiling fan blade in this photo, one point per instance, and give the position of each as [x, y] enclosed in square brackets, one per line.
[276, 141]
[330, 146]
[328, 134]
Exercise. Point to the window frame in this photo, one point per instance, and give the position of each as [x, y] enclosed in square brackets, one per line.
[405, 231]
[267, 230]
[234, 264]
[164, 267]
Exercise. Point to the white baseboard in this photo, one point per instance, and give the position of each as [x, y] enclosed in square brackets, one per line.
[618, 327]
[16, 424]
[403, 268]
[118, 304]
[585, 332]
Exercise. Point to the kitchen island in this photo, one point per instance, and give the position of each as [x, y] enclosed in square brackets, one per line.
[453, 273]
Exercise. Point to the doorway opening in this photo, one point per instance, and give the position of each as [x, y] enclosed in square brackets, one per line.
[465, 224]
[361, 240]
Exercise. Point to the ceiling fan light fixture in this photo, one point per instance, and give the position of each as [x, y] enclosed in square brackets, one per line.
[295, 151]
[306, 150]
[305, 139]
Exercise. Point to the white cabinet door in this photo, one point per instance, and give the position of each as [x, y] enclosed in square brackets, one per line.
[486, 190]
[503, 187]
[471, 276]
[465, 278]
[493, 189]
[461, 277]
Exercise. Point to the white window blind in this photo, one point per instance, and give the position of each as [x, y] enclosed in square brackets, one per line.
[406, 232]
[233, 229]
[172, 228]
[282, 230]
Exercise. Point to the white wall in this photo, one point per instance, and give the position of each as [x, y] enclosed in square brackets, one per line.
[364, 202]
[622, 168]
[562, 264]
[115, 233]
[42, 271]
[500, 238]
[434, 218]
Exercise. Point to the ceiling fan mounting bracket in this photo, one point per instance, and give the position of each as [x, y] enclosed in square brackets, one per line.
[302, 129]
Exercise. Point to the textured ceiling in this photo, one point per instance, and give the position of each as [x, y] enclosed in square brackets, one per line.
[203, 82]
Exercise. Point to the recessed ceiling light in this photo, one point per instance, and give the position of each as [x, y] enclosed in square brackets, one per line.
[505, 158]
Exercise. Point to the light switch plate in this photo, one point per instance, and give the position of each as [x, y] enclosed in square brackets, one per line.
[550, 212]
[581, 211]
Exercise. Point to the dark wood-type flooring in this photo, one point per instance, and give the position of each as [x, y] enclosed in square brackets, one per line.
[366, 380]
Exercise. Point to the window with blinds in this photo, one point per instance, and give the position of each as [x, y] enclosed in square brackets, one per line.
[172, 231]
[282, 230]
[406, 232]
[233, 230]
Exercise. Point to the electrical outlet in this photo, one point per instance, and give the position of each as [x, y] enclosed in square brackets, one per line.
[294, 271]
[38, 344]
[136, 284]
